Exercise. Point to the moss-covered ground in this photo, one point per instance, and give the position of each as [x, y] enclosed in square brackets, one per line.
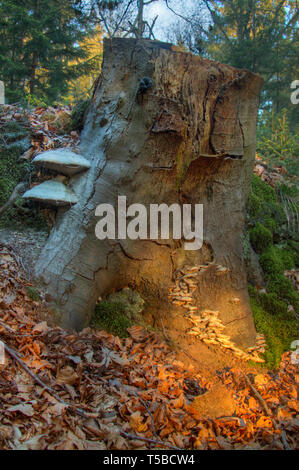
[14, 141]
[274, 310]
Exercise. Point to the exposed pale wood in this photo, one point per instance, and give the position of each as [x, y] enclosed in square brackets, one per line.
[195, 107]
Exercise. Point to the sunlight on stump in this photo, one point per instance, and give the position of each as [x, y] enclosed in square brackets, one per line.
[163, 127]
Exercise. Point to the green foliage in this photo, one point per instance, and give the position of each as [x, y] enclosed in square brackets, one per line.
[279, 329]
[111, 317]
[283, 287]
[261, 37]
[268, 221]
[14, 140]
[39, 52]
[260, 238]
[276, 260]
[293, 246]
[263, 191]
[263, 206]
[12, 144]
[33, 293]
[35, 101]
[277, 144]
[272, 304]
[78, 115]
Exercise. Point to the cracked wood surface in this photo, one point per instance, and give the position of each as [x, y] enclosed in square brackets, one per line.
[195, 108]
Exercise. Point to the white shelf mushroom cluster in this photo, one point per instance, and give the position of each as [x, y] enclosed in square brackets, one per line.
[55, 192]
[206, 324]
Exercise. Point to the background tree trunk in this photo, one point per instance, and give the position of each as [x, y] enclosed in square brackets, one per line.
[153, 149]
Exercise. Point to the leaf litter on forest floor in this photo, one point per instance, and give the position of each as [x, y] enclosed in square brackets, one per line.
[103, 392]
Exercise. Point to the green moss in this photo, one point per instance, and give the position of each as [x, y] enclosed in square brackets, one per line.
[33, 293]
[283, 287]
[111, 317]
[263, 205]
[14, 141]
[270, 261]
[262, 190]
[293, 247]
[118, 312]
[253, 292]
[276, 260]
[287, 259]
[246, 246]
[267, 223]
[132, 303]
[24, 214]
[254, 205]
[272, 304]
[260, 238]
[279, 332]
[12, 171]
[270, 224]
[78, 115]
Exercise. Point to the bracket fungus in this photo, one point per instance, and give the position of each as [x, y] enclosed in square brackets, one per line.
[52, 192]
[63, 161]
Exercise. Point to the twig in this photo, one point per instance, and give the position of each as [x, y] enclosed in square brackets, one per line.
[7, 327]
[16, 335]
[268, 412]
[150, 415]
[259, 397]
[284, 440]
[15, 356]
[151, 441]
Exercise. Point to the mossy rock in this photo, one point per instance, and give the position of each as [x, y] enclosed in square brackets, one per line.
[132, 302]
[33, 293]
[118, 312]
[260, 238]
[111, 317]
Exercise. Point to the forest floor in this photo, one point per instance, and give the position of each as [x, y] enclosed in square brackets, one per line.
[92, 390]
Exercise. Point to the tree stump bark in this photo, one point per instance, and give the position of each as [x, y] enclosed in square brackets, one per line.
[188, 139]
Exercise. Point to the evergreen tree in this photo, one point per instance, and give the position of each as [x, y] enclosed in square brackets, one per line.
[39, 46]
[260, 36]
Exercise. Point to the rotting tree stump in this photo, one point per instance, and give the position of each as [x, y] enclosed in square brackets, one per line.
[189, 138]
